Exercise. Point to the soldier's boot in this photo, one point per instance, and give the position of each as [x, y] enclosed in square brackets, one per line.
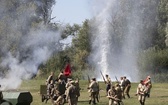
[128, 95]
[141, 102]
[148, 95]
[94, 102]
[90, 101]
[97, 99]
[123, 96]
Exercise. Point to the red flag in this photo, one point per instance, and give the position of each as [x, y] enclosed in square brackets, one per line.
[145, 80]
[67, 71]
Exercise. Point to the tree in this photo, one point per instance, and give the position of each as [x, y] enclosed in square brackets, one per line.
[163, 22]
[81, 46]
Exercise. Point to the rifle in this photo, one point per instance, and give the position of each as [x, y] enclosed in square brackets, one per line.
[88, 79]
[102, 76]
[116, 79]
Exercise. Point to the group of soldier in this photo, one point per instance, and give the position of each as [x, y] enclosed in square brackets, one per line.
[64, 90]
[115, 93]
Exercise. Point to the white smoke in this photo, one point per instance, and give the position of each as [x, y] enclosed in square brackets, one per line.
[124, 61]
[26, 44]
[41, 44]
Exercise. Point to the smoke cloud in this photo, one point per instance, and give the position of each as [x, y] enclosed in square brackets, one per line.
[118, 31]
[31, 46]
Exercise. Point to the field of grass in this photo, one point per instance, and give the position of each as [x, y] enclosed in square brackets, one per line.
[159, 93]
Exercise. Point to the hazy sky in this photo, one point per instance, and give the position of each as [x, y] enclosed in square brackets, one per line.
[71, 11]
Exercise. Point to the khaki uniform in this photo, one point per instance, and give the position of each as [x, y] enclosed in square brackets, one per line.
[71, 95]
[148, 83]
[94, 88]
[77, 89]
[60, 100]
[118, 92]
[141, 91]
[122, 84]
[112, 96]
[108, 83]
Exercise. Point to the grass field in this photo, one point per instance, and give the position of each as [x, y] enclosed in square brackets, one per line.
[159, 93]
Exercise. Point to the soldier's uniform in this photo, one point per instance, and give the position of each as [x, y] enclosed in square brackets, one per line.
[94, 87]
[148, 83]
[61, 86]
[60, 100]
[141, 92]
[1, 96]
[108, 83]
[118, 93]
[122, 84]
[127, 87]
[112, 96]
[71, 94]
[77, 88]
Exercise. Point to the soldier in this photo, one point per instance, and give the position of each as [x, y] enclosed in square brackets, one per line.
[1, 96]
[112, 96]
[97, 93]
[71, 94]
[61, 86]
[108, 83]
[118, 93]
[77, 88]
[50, 77]
[93, 90]
[122, 84]
[60, 100]
[68, 82]
[61, 75]
[141, 92]
[148, 83]
[50, 85]
[127, 86]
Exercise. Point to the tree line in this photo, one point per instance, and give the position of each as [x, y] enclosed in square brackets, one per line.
[19, 17]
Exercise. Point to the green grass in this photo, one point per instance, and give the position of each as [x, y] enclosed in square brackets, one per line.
[159, 93]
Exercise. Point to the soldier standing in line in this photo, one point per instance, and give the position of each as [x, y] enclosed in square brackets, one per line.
[93, 90]
[127, 86]
[71, 94]
[141, 92]
[108, 83]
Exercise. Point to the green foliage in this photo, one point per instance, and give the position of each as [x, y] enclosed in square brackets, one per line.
[81, 46]
[70, 30]
[154, 62]
[163, 19]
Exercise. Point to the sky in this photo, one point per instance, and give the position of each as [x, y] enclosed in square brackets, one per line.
[71, 11]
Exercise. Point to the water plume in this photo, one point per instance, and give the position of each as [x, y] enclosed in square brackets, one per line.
[118, 32]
